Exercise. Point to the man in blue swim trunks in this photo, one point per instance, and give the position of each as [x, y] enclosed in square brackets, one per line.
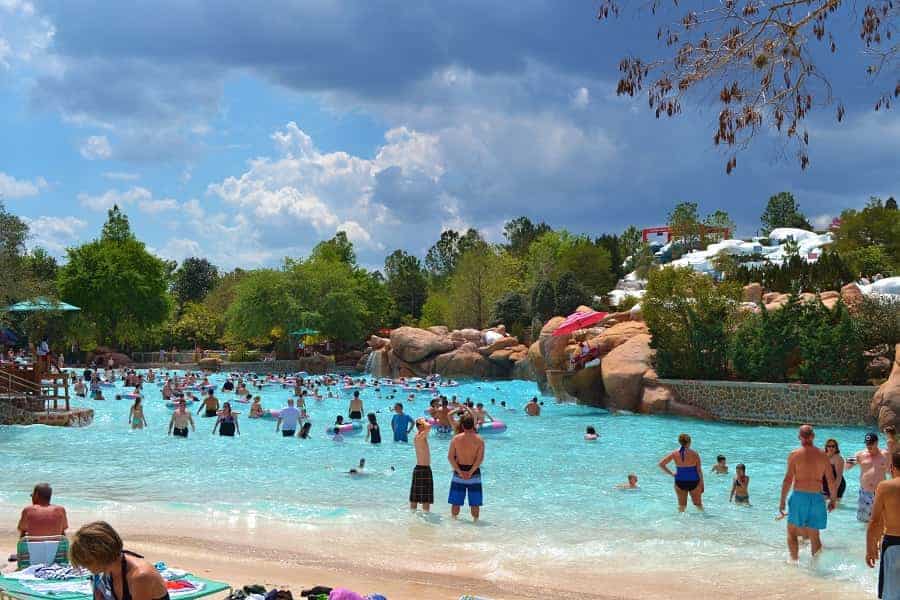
[807, 512]
[466, 455]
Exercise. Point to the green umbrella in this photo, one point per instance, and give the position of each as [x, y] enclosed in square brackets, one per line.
[302, 332]
[40, 304]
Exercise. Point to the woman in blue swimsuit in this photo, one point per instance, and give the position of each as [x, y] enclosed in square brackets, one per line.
[688, 473]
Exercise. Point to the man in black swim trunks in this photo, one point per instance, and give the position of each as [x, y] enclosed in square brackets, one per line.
[210, 405]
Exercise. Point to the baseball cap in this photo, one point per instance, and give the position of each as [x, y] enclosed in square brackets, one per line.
[871, 438]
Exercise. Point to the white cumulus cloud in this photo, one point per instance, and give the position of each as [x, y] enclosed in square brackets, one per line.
[11, 188]
[96, 147]
[107, 199]
[581, 98]
[54, 233]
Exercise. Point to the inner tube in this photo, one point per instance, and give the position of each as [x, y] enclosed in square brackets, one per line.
[270, 415]
[351, 428]
[488, 428]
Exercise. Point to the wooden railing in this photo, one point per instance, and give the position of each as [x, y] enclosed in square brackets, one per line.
[30, 384]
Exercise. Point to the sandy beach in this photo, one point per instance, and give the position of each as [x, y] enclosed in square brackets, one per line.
[276, 559]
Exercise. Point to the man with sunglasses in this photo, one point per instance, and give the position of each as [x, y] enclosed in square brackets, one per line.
[873, 466]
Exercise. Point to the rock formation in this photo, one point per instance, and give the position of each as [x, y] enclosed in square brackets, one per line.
[886, 402]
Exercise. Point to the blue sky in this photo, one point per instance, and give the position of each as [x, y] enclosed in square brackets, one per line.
[246, 132]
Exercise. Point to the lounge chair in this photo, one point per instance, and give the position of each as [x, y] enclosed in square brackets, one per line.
[46, 550]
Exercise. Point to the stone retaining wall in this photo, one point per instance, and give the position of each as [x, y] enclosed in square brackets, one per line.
[777, 403]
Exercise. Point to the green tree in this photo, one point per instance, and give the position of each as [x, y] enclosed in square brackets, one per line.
[684, 225]
[406, 282]
[613, 246]
[871, 260]
[344, 317]
[519, 234]
[120, 287]
[762, 345]
[13, 233]
[689, 318]
[264, 309]
[339, 248]
[590, 265]
[717, 220]
[444, 254]
[874, 225]
[630, 241]
[436, 310]
[117, 228]
[570, 294]
[543, 300]
[41, 270]
[193, 280]
[783, 210]
[511, 309]
[481, 277]
[831, 346]
[197, 325]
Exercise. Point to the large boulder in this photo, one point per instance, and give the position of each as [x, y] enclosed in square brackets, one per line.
[377, 343]
[617, 335]
[655, 399]
[752, 293]
[851, 295]
[623, 372]
[829, 299]
[439, 330]
[468, 335]
[464, 362]
[413, 345]
[586, 386]
[210, 364]
[617, 317]
[553, 347]
[501, 344]
[886, 402]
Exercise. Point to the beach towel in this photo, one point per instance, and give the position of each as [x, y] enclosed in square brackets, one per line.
[42, 552]
[344, 594]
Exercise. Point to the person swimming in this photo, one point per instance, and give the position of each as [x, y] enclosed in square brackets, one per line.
[740, 493]
[631, 484]
[721, 467]
[359, 469]
[590, 434]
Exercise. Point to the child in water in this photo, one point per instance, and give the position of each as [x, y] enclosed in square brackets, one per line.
[590, 434]
[338, 437]
[740, 493]
[720, 468]
[631, 485]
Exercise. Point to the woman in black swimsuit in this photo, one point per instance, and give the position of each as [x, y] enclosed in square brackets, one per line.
[227, 422]
[118, 573]
[833, 452]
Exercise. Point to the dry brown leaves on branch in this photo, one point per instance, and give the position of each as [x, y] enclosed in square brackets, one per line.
[759, 59]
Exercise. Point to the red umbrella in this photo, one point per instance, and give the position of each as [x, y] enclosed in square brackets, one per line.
[579, 320]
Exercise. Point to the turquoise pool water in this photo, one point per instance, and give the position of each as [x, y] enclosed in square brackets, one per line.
[549, 495]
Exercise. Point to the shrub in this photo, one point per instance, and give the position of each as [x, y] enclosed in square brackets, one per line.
[879, 321]
[761, 347]
[689, 318]
[831, 346]
[627, 303]
[830, 272]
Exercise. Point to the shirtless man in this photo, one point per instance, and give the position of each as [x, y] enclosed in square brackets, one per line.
[421, 490]
[533, 409]
[181, 418]
[42, 518]
[355, 411]
[210, 405]
[873, 464]
[481, 415]
[806, 467]
[446, 424]
[466, 455]
[884, 526]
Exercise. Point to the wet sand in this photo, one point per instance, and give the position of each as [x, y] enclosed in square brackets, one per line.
[274, 557]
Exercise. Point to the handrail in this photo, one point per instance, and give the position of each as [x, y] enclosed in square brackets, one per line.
[14, 383]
